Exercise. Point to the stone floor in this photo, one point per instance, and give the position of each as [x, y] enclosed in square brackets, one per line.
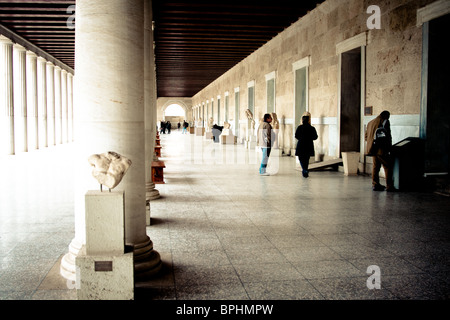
[226, 233]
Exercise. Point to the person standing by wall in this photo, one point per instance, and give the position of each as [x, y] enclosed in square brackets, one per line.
[264, 141]
[379, 144]
[305, 134]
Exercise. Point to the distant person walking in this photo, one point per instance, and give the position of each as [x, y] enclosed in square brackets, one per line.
[305, 134]
[185, 126]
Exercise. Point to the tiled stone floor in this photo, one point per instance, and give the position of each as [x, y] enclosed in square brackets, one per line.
[224, 232]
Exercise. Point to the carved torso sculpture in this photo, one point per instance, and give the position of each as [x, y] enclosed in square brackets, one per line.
[210, 123]
[109, 168]
[250, 117]
[275, 122]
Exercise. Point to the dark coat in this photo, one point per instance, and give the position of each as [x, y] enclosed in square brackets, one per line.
[305, 134]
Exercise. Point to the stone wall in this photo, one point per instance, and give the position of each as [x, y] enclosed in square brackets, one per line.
[391, 75]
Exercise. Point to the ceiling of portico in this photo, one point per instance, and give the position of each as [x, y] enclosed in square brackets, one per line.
[196, 41]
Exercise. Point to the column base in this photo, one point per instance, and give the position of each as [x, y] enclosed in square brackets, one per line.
[151, 192]
[147, 262]
[68, 268]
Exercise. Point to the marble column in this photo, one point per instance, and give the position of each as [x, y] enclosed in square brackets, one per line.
[32, 101]
[42, 100]
[58, 105]
[150, 106]
[7, 95]
[70, 106]
[20, 97]
[64, 108]
[51, 103]
[109, 116]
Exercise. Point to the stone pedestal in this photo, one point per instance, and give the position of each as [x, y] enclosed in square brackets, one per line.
[158, 171]
[105, 271]
[199, 131]
[105, 222]
[105, 277]
[227, 137]
[208, 135]
[350, 161]
[158, 151]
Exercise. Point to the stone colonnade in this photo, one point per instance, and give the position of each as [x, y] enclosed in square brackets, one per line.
[115, 95]
[36, 100]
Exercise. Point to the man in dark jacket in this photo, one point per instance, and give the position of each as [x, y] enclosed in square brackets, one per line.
[380, 153]
[305, 134]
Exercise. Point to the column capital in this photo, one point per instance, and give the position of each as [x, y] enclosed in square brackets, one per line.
[5, 40]
[31, 54]
[41, 59]
[19, 48]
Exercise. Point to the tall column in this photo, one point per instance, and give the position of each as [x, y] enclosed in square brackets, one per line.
[6, 95]
[32, 100]
[109, 116]
[64, 107]
[42, 100]
[20, 97]
[150, 105]
[70, 106]
[51, 103]
[58, 105]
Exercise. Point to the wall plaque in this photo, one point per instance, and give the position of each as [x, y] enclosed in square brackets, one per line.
[103, 266]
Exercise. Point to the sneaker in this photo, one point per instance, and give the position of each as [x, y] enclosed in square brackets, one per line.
[264, 174]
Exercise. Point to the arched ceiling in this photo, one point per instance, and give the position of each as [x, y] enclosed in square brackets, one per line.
[196, 41]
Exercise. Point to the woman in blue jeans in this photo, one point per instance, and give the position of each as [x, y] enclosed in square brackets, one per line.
[265, 142]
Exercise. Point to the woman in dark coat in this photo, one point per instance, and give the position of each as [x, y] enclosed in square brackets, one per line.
[305, 134]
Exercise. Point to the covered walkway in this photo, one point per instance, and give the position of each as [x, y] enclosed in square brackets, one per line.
[224, 232]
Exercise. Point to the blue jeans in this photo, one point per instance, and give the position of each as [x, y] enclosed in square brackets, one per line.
[265, 159]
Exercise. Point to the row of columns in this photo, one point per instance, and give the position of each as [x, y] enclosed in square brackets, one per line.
[115, 110]
[36, 100]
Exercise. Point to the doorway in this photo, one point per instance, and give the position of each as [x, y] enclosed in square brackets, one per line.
[174, 113]
[435, 113]
[350, 104]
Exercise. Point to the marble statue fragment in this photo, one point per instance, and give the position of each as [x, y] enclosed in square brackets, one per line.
[109, 168]
[210, 123]
[275, 122]
[250, 118]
